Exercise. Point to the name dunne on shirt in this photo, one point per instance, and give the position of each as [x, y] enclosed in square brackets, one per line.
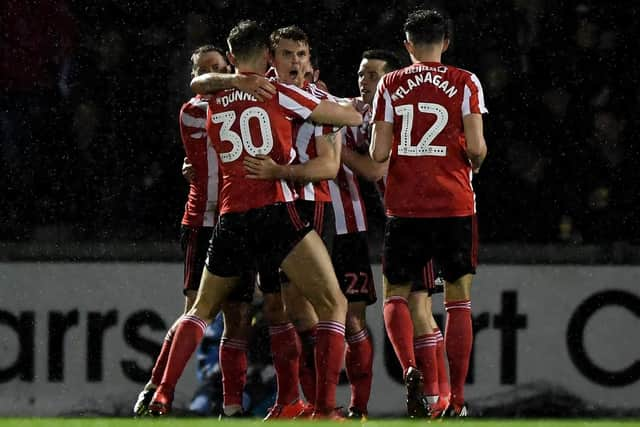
[234, 96]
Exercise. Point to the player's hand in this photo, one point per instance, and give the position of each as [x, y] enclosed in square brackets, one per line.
[187, 170]
[262, 167]
[258, 86]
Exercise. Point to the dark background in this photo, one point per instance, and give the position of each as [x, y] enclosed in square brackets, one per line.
[92, 89]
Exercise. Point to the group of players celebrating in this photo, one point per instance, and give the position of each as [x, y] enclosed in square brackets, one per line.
[273, 161]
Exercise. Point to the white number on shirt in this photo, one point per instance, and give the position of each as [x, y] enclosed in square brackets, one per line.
[227, 118]
[424, 147]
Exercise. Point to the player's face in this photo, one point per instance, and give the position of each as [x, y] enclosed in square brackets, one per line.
[310, 75]
[291, 59]
[369, 73]
[211, 62]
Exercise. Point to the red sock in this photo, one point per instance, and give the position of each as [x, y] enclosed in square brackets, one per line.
[359, 364]
[425, 350]
[233, 364]
[188, 335]
[329, 358]
[161, 362]
[397, 320]
[308, 364]
[285, 350]
[443, 375]
[458, 342]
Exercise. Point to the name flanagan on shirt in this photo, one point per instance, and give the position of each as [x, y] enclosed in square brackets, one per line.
[420, 79]
[234, 96]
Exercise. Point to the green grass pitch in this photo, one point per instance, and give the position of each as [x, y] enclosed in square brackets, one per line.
[208, 422]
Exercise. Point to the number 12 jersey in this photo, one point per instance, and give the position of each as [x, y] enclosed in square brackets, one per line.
[429, 172]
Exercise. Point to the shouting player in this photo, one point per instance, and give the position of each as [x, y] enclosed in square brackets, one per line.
[259, 226]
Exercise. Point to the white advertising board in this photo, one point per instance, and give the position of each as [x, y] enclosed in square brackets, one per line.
[77, 338]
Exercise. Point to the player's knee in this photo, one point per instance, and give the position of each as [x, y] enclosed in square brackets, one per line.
[332, 305]
[273, 309]
[399, 288]
[236, 322]
[458, 289]
[356, 320]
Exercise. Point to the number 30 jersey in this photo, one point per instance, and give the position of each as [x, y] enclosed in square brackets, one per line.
[238, 125]
[429, 172]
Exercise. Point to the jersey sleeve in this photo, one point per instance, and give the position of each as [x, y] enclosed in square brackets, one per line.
[193, 121]
[473, 97]
[382, 108]
[296, 101]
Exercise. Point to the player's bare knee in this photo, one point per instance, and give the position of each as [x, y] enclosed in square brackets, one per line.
[331, 305]
[273, 309]
[236, 321]
[202, 311]
[397, 289]
[458, 289]
[356, 319]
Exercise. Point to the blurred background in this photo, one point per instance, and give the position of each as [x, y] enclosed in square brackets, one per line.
[91, 92]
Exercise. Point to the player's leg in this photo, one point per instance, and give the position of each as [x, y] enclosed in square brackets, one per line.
[403, 255]
[350, 257]
[458, 256]
[291, 244]
[309, 267]
[301, 313]
[444, 388]
[219, 278]
[429, 342]
[189, 333]
[320, 216]
[233, 345]
[194, 242]
[285, 349]
[358, 360]
[425, 342]
[425, 337]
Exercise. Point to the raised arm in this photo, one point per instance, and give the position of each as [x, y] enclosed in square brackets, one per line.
[381, 140]
[336, 113]
[324, 166]
[363, 165]
[476, 145]
[253, 84]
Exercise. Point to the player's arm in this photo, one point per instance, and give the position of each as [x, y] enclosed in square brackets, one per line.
[476, 145]
[253, 84]
[324, 166]
[381, 140]
[363, 165]
[336, 113]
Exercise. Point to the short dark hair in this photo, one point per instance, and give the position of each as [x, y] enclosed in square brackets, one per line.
[427, 26]
[392, 62]
[195, 55]
[292, 32]
[246, 38]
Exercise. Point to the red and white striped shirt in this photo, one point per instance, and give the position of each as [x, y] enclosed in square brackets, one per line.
[304, 140]
[238, 125]
[429, 172]
[200, 209]
[348, 207]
